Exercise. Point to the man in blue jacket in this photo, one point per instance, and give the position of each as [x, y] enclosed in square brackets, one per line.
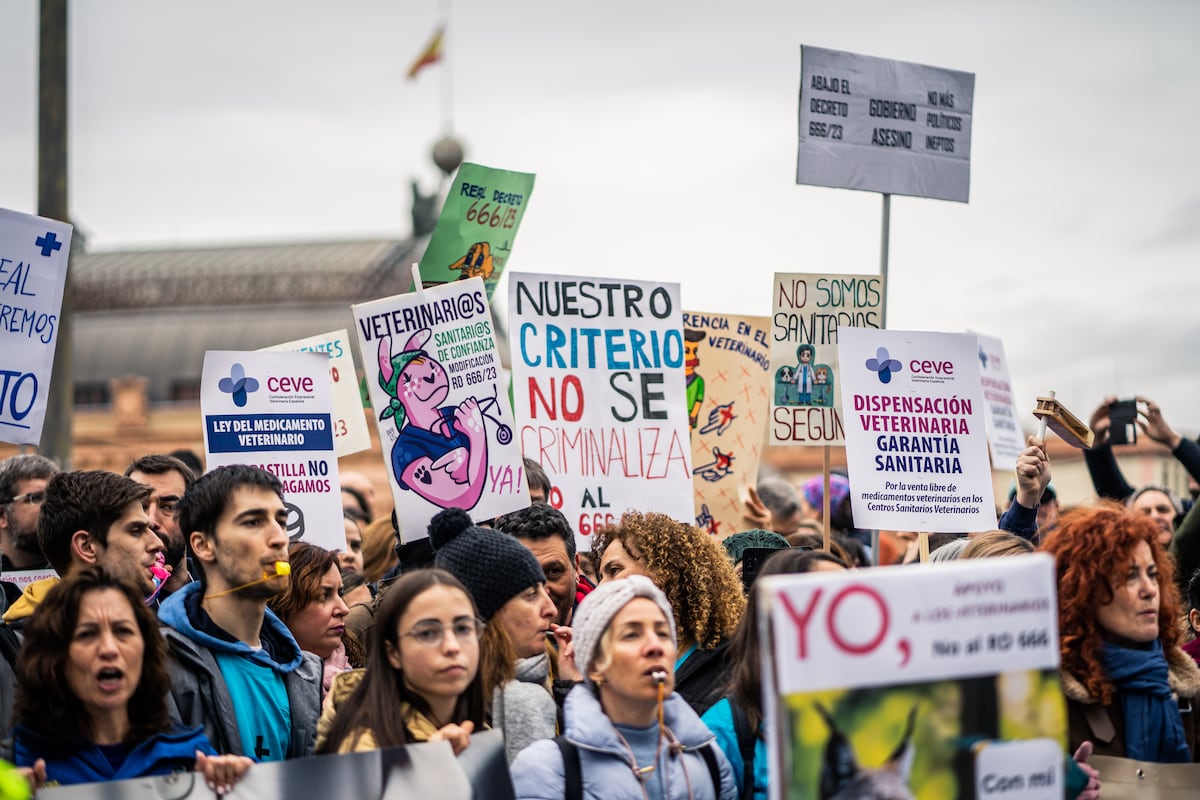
[235, 668]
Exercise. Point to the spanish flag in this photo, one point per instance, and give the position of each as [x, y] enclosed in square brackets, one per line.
[430, 55]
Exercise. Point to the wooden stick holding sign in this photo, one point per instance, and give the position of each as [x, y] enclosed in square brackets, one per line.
[825, 505]
[923, 546]
[1053, 414]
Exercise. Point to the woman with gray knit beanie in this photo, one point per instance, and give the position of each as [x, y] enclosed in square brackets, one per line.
[509, 588]
[628, 734]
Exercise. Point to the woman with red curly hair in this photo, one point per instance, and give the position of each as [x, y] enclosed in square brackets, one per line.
[1130, 689]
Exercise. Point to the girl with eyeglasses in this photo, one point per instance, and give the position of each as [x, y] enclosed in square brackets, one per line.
[422, 678]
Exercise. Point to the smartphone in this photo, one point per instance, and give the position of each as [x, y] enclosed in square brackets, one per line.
[1122, 418]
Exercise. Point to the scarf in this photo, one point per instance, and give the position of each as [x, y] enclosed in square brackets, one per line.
[1153, 726]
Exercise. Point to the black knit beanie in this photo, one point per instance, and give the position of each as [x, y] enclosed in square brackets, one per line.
[493, 566]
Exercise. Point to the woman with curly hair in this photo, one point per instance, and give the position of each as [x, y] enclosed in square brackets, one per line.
[1125, 677]
[692, 570]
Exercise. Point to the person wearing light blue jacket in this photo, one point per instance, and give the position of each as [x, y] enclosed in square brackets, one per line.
[627, 734]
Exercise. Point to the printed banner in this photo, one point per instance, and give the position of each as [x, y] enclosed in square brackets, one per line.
[726, 366]
[33, 270]
[932, 682]
[274, 411]
[599, 388]
[1005, 437]
[884, 126]
[916, 442]
[444, 420]
[807, 312]
[475, 233]
[350, 434]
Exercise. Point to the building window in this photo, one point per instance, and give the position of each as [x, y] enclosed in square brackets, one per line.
[185, 391]
[92, 394]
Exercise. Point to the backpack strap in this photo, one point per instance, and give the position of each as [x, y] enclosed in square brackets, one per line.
[714, 771]
[747, 741]
[572, 771]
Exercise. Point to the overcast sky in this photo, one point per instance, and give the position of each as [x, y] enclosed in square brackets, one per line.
[663, 135]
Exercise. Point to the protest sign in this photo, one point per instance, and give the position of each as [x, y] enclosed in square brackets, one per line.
[1005, 437]
[350, 434]
[726, 365]
[807, 312]
[475, 233]
[23, 577]
[274, 410]
[937, 681]
[916, 442]
[33, 270]
[884, 126]
[598, 387]
[444, 419]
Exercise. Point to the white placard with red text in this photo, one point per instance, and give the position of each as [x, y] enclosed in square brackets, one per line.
[916, 439]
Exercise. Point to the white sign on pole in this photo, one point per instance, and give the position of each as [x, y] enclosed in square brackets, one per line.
[916, 440]
[599, 388]
[33, 270]
[1000, 409]
[350, 433]
[274, 411]
[884, 126]
[444, 419]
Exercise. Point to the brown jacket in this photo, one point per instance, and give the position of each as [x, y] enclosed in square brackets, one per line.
[1104, 726]
[363, 739]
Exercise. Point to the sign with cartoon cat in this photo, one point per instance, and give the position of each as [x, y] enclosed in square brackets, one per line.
[807, 311]
[444, 419]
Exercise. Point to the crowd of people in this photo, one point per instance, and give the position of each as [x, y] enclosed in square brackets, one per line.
[181, 629]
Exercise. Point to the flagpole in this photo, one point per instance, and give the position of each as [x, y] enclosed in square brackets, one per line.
[447, 77]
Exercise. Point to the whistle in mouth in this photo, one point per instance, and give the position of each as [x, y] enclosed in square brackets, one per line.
[659, 676]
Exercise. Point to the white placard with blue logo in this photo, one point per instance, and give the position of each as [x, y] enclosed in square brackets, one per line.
[350, 433]
[33, 269]
[916, 437]
[275, 411]
[445, 422]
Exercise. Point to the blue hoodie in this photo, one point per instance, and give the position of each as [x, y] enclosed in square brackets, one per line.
[260, 702]
[161, 754]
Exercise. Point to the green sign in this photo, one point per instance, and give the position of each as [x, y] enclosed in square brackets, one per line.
[475, 233]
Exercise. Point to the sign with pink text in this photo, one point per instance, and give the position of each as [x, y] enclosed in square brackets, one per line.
[932, 682]
[33, 271]
[445, 423]
[726, 367]
[1005, 437]
[599, 390]
[916, 439]
[274, 411]
[807, 312]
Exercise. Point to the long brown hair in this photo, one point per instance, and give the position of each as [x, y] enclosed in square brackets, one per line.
[1090, 546]
[372, 706]
[45, 703]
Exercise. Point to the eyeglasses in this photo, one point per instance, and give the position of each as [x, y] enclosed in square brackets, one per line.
[33, 498]
[431, 634]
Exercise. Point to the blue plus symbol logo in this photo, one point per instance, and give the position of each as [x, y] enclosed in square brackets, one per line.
[238, 385]
[884, 364]
[48, 243]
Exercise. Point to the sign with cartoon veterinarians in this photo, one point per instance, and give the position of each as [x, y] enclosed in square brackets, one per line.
[33, 269]
[916, 440]
[350, 433]
[274, 410]
[475, 233]
[599, 391]
[807, 311]
[726, 369]
[444, 420]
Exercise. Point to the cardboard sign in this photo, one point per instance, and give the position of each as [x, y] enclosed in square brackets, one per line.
[906, 679]
[598, 387]
[916, 441]
[808, 311]
[444, 419]
[1005, 437]
[274, 411]
[726, 366]
[475, 233]
[33, 270]
[884, 126]
[350, 434]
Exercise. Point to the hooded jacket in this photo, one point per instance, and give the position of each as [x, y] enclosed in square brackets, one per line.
[199, 695]
[161, 754]
[606, 764]
[20, 611]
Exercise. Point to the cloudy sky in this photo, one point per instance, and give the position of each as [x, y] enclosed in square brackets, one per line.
[663, 135]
